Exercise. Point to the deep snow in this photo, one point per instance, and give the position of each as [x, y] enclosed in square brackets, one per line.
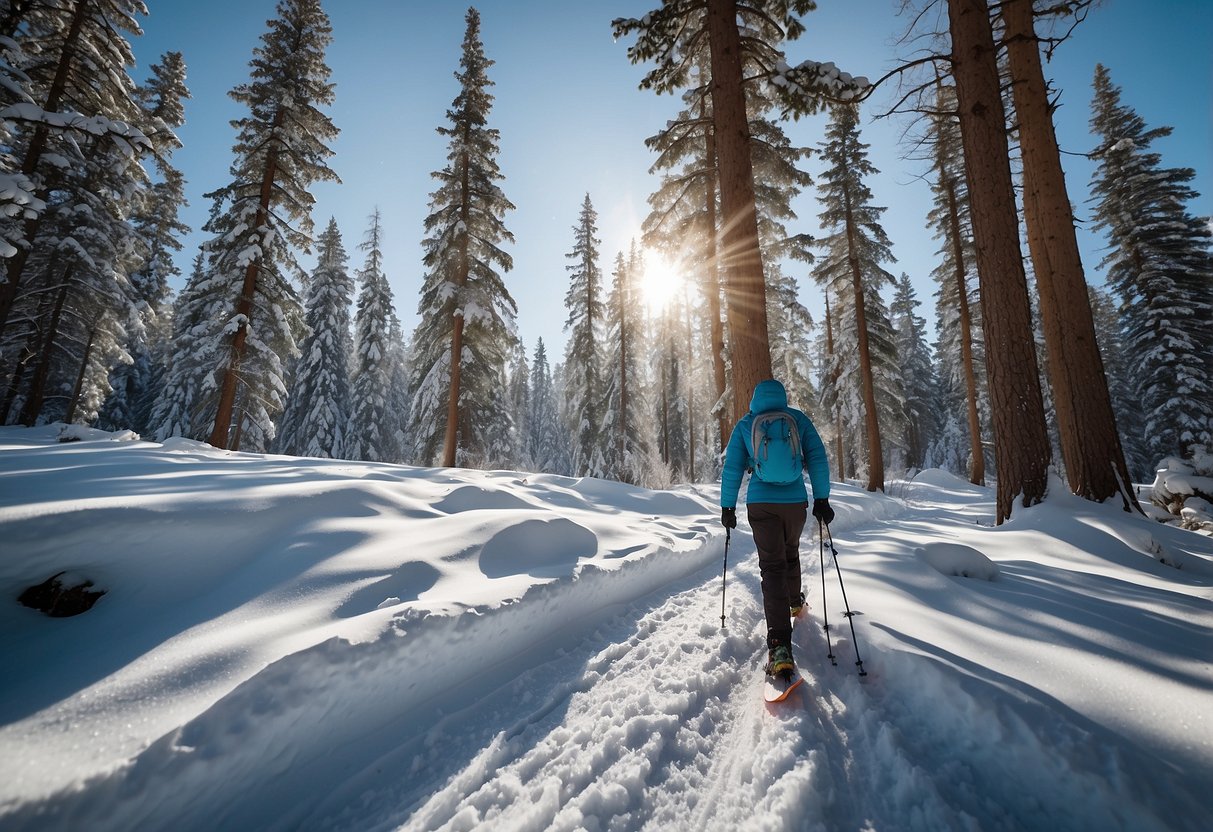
[317, 644]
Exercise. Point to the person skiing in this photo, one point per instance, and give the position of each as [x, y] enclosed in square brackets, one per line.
[776, 443]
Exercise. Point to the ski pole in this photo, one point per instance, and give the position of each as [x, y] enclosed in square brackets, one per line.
[724, 572]
[825, 610]
[849, 615]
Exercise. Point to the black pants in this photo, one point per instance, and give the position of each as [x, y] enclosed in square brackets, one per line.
[777, 528]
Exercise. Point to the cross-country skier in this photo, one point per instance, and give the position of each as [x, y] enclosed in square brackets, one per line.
[776, 504]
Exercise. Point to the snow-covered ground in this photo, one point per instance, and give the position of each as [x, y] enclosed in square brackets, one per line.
[308, 644]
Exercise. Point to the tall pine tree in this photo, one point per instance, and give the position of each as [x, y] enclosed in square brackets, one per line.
[1160, 266]
[917, 373]
[1021, 438]
[467, 331]
[371, 432]
[318, 409]
[546, 442]
[281, 151]
[854, 247]
[584, 302]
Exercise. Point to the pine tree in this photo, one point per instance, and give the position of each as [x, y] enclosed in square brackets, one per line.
[626, 443]
[520, 408]
[917, 373]
[467, 332]
[280, 152]
[1160, 267]
[1119, 363]
[683, 220]
[1021, 445]
[173, 412]
[75, 106]
[855, 246]
[157, 226]
[547, 442]
[675, 35]
[317, 413]
[371, 432]
[399, 397]
[584, 303]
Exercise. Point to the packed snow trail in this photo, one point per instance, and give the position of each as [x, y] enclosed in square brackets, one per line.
[656, 722]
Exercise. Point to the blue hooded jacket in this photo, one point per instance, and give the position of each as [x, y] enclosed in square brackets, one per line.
[739, 456]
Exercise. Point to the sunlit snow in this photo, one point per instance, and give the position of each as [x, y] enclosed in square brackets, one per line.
[288, 643]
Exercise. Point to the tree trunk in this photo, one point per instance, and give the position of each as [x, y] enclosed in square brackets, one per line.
[1090, 443]
[690, 383]
[839, 449]
[1021, 441]
[624, 300]
[79, 386]
[18, 375]
[871, 419]
[37, 389]
[33, 155]
[244, 305]
[28, 351]
[745, 294]
[450, 443]
[711, 289]
[977, 457]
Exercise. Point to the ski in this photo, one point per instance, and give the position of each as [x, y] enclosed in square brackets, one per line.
[778, 688]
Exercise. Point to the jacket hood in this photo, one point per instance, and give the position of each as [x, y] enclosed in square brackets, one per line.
[768, 395]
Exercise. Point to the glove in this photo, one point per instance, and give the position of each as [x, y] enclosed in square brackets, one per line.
[728, 518]
[822, 511]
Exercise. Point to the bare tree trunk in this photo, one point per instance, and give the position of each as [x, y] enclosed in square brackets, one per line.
[244, 305]
[1090, 443]
[665, 403]
[871, 419]
[625, 302]
[79, 386]
[745, 295]
[33, 154]
[712, 286]
[28, 350]
[690, 382]
[977, 457]
[37, 389]
[1021, 442]
[839, 449]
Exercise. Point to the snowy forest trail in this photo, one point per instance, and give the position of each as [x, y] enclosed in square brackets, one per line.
[546, 653]
[654, 720]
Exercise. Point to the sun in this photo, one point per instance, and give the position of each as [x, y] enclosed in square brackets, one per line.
[663, 280]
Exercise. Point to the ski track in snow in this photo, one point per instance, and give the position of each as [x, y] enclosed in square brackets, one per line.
[614, 701]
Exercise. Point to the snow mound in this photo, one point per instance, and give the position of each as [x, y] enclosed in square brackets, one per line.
[957, 560]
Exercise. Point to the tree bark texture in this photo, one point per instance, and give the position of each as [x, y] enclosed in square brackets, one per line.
[74, 402]
[220, 433]
[712, 288]
[977, 457]
[745, 293]
[1090, 444]
[1021, 442]
[839, 448]
[871, 419]
[37, 389]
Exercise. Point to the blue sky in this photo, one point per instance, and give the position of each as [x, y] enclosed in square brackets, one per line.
[572, 120]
